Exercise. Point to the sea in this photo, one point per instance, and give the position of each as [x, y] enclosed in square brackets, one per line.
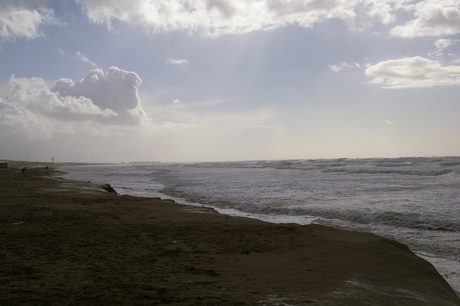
[415, 201]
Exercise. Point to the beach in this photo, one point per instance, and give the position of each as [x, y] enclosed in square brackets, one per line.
[74, 243]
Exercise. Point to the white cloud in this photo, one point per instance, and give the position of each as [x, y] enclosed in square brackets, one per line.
[92, 104]
[31, 107]
[432, 18]
[177, 62]
[381, 12]
[343, 65]
[19, 21]
[116, 89]
[84, 59]
[413, 72]
[220, 17]
[335, 68]
[441, 45]
[388, 122]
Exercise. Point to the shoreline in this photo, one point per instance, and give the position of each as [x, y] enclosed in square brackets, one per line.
[67, 242]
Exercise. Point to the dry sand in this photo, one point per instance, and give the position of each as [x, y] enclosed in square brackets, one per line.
[72, 243]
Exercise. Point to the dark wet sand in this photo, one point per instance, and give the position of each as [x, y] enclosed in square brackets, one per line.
[71, 243]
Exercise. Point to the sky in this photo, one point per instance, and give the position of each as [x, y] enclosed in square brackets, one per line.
[218, 80]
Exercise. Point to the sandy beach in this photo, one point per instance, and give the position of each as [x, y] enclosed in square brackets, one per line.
[74, 243]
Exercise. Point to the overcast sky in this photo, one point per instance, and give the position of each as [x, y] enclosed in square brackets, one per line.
[206, 80]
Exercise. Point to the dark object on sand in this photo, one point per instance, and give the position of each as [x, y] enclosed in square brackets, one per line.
[108, 188]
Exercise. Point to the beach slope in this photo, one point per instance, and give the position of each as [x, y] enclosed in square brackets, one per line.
[74, 243]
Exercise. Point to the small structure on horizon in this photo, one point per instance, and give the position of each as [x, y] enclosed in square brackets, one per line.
[4, 165]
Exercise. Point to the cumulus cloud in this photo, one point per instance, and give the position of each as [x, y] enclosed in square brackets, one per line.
[413, 72]
[31, 107]
[219, 17]
[84, 59]
[116, 89]
[18, 20]
[98, 100]
[178, 62]
[381, 12]
[224, 7]
[432, 18]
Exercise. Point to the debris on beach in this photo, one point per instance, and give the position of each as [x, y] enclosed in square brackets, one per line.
[108, 188]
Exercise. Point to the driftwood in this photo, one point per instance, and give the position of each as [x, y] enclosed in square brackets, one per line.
[108, 188]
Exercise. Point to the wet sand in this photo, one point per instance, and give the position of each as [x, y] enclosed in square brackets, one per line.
[73, 243]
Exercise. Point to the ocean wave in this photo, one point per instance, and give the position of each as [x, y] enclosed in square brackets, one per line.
[403, 166]
[394, 219]
[392, 171]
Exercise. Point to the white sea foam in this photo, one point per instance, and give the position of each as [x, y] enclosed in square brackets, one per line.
[413, 200]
